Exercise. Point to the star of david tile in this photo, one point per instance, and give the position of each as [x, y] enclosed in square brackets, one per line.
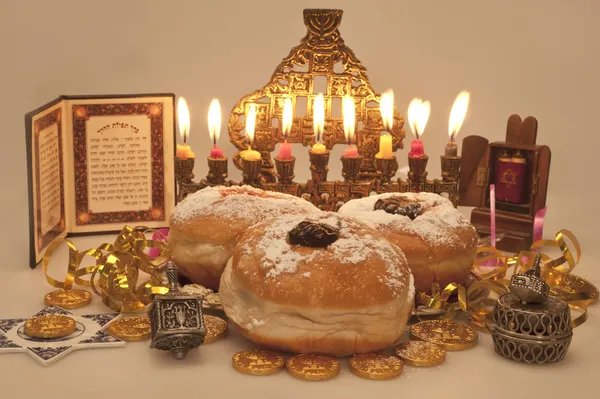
[89, 333]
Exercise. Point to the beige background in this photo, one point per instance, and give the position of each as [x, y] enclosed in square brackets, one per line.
[528, 57]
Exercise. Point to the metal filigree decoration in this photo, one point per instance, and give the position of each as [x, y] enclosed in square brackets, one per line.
[315, 58]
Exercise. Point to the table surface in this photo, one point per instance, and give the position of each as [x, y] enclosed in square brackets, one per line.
[135, 370]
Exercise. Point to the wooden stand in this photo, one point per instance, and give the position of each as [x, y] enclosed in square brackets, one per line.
[478, 170]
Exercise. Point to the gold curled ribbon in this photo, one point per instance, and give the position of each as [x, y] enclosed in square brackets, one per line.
[491, 267]
[115, 272]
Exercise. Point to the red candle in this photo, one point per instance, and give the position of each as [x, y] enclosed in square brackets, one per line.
[417, 150]
[216, 152]
[351, 151]
[285, 151]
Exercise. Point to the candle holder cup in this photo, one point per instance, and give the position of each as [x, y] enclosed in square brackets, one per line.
[217, 171]
[184, 169]
[285, 170]
[318, 166]
[450, 168]
[417, 169]
[387, 167]
[351, 167]
[251, 172]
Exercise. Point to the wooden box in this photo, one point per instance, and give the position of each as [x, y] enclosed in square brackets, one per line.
[478, 171]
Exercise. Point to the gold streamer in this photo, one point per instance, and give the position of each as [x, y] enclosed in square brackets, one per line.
[115, 274]
[491, 267]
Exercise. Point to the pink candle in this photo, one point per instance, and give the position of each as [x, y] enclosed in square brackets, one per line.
[285, 151]
[351, 151]
[216, 152]
[417, 149]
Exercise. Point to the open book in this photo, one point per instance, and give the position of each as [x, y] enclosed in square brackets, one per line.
[96, 163]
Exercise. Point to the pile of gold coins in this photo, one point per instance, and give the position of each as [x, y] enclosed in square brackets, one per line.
[125, 328]
[52, 326]
[138, 328]
[432, 339]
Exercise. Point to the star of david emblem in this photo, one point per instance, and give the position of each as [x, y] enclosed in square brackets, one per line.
[509, 178]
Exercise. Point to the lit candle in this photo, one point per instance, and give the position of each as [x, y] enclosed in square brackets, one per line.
[184, 151]
[285, 149]
[418, 115]
[319, 124]
[214, 127]
[349, 124]
[457, 116]
[386, 108]
[250, 154]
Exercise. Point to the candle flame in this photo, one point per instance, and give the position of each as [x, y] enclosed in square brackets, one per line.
[418, 115]
[287, 117]
[386, 107]
[458, 113]
[319, 116]
[251, 122]
[349, 117]
[183, 118]
[214, 120]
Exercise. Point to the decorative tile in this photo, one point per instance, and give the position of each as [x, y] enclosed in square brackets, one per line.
[88, 334]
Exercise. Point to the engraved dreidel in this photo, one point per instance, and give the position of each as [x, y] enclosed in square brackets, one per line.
[176, 319]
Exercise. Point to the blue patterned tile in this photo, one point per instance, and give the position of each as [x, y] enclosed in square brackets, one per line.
[49, 353]
[7, 324]
[101, 319]
[100, 338]
[52, 310]
[7, 343]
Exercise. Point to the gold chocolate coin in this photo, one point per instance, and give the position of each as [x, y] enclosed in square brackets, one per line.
[421, 353]
[130, 328]
[50, 326]
[313, 367]
[374, 366]
[449, 335]
[68, 299]
[258, 362]
[216, 328]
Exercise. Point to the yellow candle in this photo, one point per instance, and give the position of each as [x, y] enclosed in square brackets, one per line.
[184, 151]
[319, 124]
[250, 155]
[319, 148]
[385, 146]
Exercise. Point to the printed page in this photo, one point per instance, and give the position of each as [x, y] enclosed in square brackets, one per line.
[48, 182]
[122, 163]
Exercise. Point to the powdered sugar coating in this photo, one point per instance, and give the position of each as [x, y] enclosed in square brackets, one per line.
[432, 224]
[232, 202]
[280, 257]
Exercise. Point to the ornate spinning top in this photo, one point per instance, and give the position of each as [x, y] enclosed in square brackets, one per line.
[527, 325]
[176, 319]
[529, 286]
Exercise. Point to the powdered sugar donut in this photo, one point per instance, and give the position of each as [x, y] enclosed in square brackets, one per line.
[319, 283]
[437, 240]
[206, 226]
